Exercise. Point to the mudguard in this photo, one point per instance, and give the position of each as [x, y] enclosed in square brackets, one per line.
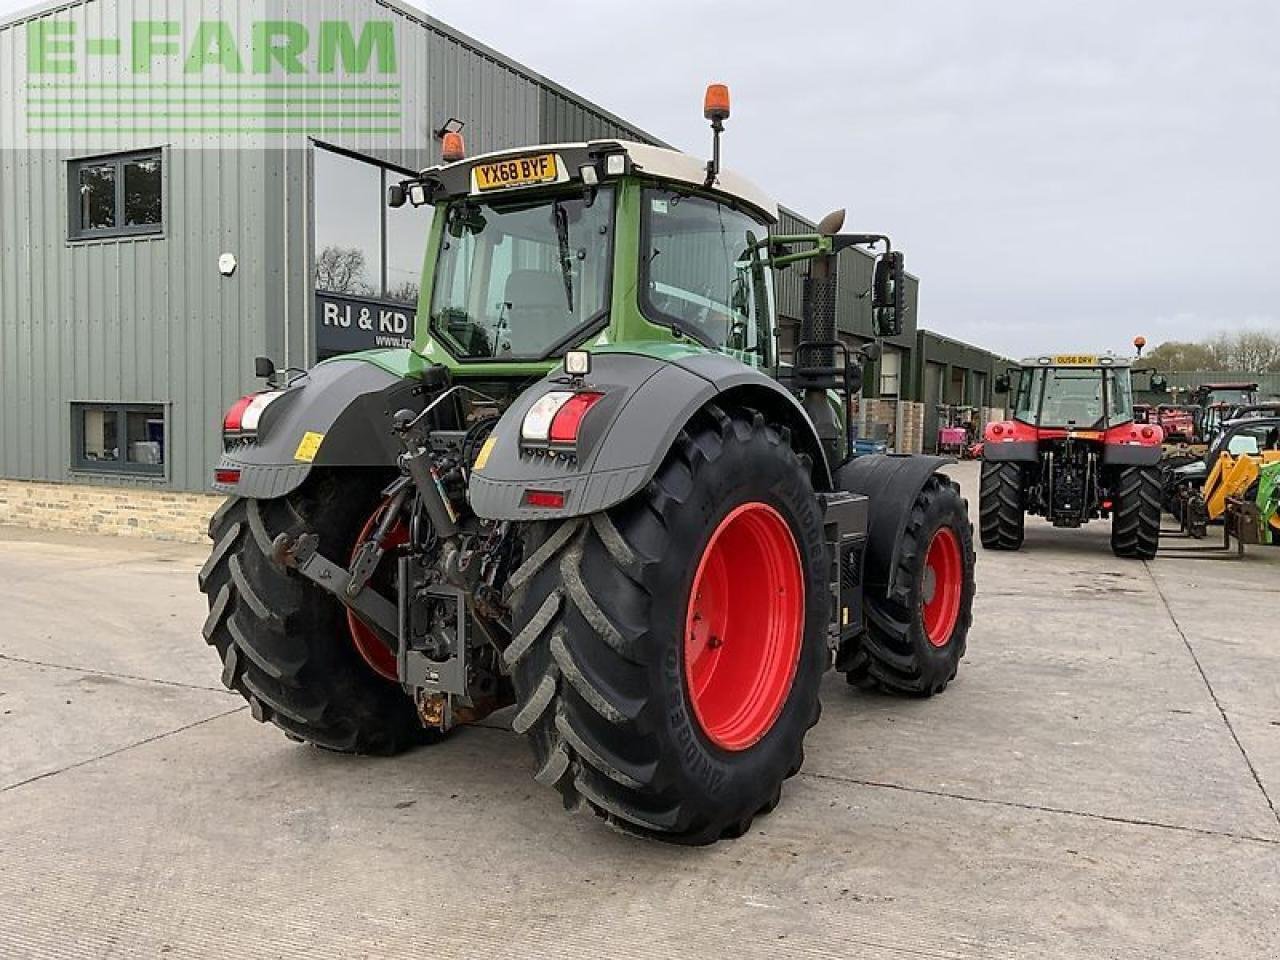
[1131, 455]
[892, 482]
[626, 436]
[346, 404]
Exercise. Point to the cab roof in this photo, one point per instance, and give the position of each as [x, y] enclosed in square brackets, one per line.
[659, 162]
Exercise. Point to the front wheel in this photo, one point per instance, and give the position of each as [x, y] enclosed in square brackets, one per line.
[668, 652]
[917, 630]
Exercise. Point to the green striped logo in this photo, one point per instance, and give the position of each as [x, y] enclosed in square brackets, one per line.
[272, 78]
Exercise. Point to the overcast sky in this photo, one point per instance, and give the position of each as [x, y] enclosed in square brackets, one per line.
[1059, 175]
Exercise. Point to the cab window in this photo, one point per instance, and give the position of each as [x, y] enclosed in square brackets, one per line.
[702, 274]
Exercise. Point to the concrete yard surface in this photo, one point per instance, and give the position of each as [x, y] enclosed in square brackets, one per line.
[1101, 781]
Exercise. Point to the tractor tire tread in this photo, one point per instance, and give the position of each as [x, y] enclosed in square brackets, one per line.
[579, 661]
[270, 630]
[1135, 522]
[1001, 512]
[893, 656]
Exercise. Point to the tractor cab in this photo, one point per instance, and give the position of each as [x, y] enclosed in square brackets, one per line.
[534, 253]
[1076, 393]
[1216, 403]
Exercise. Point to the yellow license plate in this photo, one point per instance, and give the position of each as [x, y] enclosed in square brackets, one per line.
[1075, 360]
[520, 172]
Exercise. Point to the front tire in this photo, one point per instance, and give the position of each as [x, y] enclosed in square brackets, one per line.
[1135, 523]
[285, 644]
[620, 615]
[1001, 506]
[917, 634]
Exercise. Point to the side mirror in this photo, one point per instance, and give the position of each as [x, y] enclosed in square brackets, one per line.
[889, 294]
[1002, 384]
[263, 368]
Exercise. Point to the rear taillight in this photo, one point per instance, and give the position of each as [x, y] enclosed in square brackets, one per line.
[226, 478]
[546, 499]
[235, 416]
[555, 419]
[246, 413]
[568, 421]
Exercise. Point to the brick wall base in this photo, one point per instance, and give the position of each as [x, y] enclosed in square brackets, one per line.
[116, 511]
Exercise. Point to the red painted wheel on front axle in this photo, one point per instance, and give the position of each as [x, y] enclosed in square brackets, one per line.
[374, 650]
[744, 627]
[943, 586]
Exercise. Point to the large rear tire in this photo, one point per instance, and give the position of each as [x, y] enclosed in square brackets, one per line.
[1135, 523]
[668, 652]
[917, 633]
[285, 644]
[1001, 509]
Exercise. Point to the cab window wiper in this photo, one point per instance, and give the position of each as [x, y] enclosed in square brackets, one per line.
[566, 258]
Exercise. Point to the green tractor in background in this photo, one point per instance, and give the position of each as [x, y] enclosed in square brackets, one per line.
[590, 490]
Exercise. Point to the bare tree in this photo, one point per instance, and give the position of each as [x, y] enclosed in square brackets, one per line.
[1175, 356]
[341, 270]
[1252, 351]
[406, 292]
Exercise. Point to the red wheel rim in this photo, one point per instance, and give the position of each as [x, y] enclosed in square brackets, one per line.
[943, 586]
[372, 649]
[744, 626]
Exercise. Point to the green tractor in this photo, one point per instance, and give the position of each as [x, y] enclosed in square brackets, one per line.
[591, 491]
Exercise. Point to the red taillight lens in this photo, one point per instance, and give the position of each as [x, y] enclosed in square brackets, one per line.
[549, 499]
[568, 419]
[998, 429]
[227, 477]
[234, 419]
[1148, 433]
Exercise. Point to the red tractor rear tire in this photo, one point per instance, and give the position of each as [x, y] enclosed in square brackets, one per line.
[668, 652]
[1001, 506]
[916, 636]
[1135, 522]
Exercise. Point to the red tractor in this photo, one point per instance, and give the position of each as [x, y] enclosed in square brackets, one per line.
[1072, 453]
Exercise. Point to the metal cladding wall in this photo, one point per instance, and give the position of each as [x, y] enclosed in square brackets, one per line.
[149, 320]
[1182, 383]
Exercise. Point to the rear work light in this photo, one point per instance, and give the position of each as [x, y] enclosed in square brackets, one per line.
[556, 417]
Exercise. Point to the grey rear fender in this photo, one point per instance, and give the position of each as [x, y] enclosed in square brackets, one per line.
[892, 482]
[627, 435]
[344, 406]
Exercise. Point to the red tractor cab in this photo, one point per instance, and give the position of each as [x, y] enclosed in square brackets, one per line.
[1072, 452]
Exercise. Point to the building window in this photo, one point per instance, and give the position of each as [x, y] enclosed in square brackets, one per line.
[364, 248]
[118, 438]
[116, 196]
[890, 372]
